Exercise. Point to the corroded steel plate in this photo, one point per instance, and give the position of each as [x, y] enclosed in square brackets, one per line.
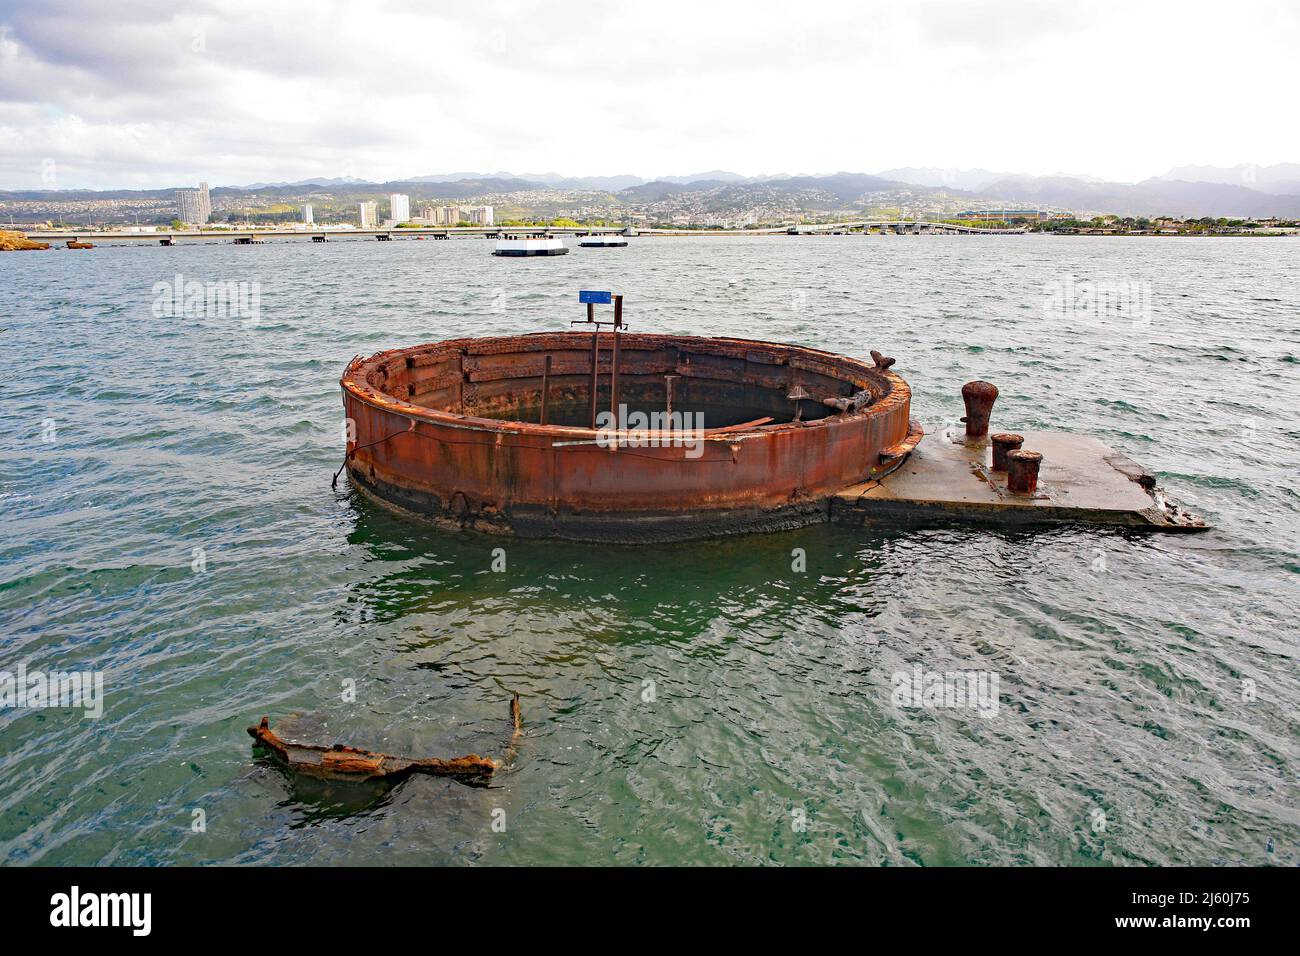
[766, 433]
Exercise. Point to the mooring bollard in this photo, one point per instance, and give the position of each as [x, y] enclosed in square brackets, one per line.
[1003, 443]
[979, 398]
[1022, 471]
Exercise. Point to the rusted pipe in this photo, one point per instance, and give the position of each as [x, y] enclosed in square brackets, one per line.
[1003, 443]
[614, 360]
[979, 398]
[546, 384]
[1022, 471]
[613, 382]
[595, 363]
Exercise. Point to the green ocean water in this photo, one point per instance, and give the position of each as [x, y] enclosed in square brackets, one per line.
[702, 703]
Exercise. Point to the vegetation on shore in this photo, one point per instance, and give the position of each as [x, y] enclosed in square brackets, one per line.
[1161, 226]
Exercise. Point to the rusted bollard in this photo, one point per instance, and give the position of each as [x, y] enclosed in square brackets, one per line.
[1003, 443]
[1022, 471]
[979, 398]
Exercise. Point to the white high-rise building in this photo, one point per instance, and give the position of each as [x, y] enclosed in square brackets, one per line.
[369, 214]
[477, 215]
[194, 205]
[307, 215]
[399, 207]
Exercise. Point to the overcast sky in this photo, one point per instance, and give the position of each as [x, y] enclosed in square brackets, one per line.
[148, 94]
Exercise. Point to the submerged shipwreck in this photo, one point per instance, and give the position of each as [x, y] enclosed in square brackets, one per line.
[610, 435]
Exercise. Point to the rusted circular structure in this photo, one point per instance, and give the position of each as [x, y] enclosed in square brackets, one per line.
[495, 433]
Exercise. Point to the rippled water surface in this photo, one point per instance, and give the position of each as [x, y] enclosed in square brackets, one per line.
[683, 704]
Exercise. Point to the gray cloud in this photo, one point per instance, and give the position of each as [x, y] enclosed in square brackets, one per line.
[158, 93]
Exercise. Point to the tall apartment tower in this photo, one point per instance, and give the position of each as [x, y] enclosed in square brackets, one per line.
[205, 203]
[194, 205]
[368, 214]
[308, 215]
[399, 205]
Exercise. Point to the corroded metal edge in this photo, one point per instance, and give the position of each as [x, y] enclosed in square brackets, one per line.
[354, 378]
[537, 480]
[598, 528]
[341, 762]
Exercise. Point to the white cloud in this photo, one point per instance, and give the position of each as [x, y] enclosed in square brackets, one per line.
[231, 91]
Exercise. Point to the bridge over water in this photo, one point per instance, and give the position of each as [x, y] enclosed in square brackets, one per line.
[884, 226]
[173, 236]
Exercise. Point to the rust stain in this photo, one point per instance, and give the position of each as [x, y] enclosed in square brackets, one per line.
[451, 431]
[1003, 443]
[1022, 471]
[341, 762]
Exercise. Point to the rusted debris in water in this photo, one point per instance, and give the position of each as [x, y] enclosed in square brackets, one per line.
[721, 436]
[707, 435]
[341, 762]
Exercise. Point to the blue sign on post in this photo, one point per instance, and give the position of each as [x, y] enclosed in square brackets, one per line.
[595, 298]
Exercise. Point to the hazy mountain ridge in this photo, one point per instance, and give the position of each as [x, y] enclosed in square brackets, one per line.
[1265, 191]
[1281, 178]
[323, 181]
[1151, 197]
[937, 178]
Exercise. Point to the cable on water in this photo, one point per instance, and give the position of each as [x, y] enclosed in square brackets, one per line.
[334, 482]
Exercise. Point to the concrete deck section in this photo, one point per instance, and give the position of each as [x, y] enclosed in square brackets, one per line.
[1082, 480]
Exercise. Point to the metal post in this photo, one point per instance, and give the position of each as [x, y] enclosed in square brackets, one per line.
[1022, 471]
[613, 365]
[546, 385]
[978, 398]
[1003, 443]
[595, 364]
